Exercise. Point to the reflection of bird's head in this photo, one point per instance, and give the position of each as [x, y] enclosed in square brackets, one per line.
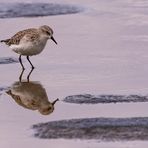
[31, 95]
[47, 108]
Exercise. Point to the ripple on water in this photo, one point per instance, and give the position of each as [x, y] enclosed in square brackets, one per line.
[107, 129]
[10, 10]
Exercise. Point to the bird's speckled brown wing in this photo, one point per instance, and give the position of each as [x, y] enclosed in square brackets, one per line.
[31, 33]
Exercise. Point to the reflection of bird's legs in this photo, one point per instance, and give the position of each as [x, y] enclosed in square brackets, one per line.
[29, 74]
[20, 77]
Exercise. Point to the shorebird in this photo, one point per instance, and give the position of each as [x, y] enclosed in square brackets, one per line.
[30, 42]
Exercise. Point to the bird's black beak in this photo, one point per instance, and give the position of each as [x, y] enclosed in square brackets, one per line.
[54, 39]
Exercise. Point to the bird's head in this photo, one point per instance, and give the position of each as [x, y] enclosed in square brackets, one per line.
[48, 31]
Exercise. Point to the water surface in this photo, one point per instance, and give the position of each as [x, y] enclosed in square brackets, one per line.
[102, 50]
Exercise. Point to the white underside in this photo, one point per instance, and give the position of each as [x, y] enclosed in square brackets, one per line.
[29, 48]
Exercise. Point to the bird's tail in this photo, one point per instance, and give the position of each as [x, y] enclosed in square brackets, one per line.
[5, 41]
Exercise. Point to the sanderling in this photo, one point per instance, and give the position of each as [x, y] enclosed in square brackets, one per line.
[30, 42]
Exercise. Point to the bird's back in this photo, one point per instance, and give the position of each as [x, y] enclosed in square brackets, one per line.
[19, 35]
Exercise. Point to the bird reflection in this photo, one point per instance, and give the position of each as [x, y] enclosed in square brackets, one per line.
[31, 95]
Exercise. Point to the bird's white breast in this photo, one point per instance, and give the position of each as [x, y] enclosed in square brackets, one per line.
[26, 47]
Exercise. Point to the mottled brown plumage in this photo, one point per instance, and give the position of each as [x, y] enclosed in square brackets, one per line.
[31, 34]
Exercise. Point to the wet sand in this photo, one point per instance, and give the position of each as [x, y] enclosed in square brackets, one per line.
[102, 50]
[103, 129]
[94, 99]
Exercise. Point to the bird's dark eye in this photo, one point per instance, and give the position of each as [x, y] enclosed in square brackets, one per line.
[48, 32]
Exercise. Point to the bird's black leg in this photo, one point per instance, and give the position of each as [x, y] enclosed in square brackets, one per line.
[30, 62]
[20, 60]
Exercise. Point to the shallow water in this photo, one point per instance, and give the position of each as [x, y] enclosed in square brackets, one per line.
[102, 50]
